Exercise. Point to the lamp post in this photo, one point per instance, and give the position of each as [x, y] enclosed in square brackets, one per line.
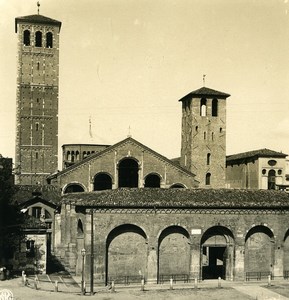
[82, 272]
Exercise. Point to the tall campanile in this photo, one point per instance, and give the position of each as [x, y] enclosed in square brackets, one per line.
[37, 98]
[203, 149]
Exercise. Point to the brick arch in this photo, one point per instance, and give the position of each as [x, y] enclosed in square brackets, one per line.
[259, 249]
[126, 253]
[73, 187]
[102, 181]
[217, 253]
[178, 185]
[152, 180]
[128, 169]
[173, 252]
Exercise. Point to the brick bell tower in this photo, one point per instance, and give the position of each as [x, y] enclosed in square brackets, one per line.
[37, 98]
[203, 149]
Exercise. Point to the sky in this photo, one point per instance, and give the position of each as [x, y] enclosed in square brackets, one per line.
[124, 64]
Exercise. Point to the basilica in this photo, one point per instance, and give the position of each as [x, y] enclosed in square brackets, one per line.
[136, 213]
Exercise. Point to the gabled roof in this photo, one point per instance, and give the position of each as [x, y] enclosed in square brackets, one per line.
[37, 19]
[255, 154]
[206, 92]
[110, 148]
[180, 198]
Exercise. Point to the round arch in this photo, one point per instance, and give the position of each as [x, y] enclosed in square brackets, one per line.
[217, 253]
[178, 186]
[174, 253]
[126, 253]
[73, 187]
[102, 181]
[128, 173]
[152, 180]
[259, 249]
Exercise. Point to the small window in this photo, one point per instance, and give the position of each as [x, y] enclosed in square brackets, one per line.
[279, 172]
[30, 248]
[38, 39]
[208, 159]
[208, 178]
[36, 126]
[38, 65]
[36, 155]
[215, 108]
[197, 128]
[221, 129]
[203, 107]
[264, 171]
[212, 136]
[49, 40]
[205, 135]
[26, 38]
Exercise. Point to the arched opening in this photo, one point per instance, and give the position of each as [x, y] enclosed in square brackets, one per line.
[73, 188]
[128, 173]
[77, 155]
[102, 181]
[177, 186]
[259, 249]
[217, 253]
[173, 253]
[79, 228]
[152, 181]
[49, 40]
[215, 108]
[203, 107]
[286, 252]
[208, 178]
[72, 156]
[38, 39]
[26, 38]
[126, 254]
[272, 180]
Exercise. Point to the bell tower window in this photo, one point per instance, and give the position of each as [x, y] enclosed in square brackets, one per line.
[208, 178]
[215, 108]
[203, 107]
[49, 40]
[38, 39]
[26, 38]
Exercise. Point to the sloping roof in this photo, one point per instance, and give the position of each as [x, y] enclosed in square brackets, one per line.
[24, 193]
[37, 19]
[180, 198]
[110, 148]
[206, 92]
[256, 154]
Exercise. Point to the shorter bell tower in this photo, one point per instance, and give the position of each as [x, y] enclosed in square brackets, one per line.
[203, 149]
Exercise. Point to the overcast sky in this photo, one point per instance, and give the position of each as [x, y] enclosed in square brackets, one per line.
[126, 63]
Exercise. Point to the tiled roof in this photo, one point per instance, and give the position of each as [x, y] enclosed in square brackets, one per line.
[38, 19]
[182, 198]
[256, 153]
[206, 92]
[24, 193]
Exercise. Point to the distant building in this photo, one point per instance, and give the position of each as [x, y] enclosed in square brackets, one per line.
[259, 169]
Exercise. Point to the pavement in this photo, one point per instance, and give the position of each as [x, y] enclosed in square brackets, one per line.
[256, 290]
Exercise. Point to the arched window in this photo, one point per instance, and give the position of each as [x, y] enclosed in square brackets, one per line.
[208, 178]
[215, 107]
[177, 186]
[102, 181]
[208, 159]
[72, 156]
[152, 181]
[77, 155]
[79, 228]
[203, 107]
[271, 180]
[26, 38]
[38, 39]
[68, 156]
[128, 173]
[49, 40]
[74, 188]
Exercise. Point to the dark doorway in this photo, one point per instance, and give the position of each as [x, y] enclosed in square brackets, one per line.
[128, 173]
[215, 264]
[271, 180]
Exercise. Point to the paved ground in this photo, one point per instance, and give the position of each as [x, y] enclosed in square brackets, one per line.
[207, 290]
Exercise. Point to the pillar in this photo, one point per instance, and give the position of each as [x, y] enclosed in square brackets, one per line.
[239, 269]
[152, 265]
[195, 257]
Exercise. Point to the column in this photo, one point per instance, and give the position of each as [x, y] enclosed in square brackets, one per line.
[195, 256]
[239, 269]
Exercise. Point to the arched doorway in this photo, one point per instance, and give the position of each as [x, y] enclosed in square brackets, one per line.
[259, 249]
[102, 181]
[173, 253]
[128, 173]
[126, 253]
[217, 253]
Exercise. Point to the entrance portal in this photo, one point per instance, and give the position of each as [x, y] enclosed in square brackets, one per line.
[214, 262]
[217, 248]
